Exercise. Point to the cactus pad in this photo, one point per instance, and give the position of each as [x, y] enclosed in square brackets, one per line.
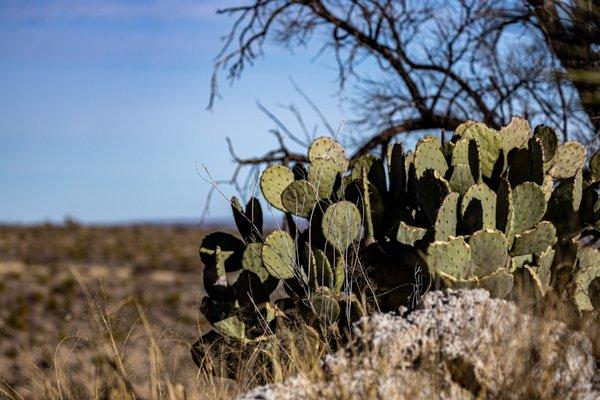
[534, 240]
[252, 261]
[341, 224]
[364, 162]
[543, 268]
[409, 234]
[460, 152]
[489, 251]
[570, 157]
[517, 262]
[279, 255]
[461, 178]
[397, 171]
[230, 249]
[452, 257]
[299, 198]
[447, 217]
[475, 160]
[273, 182]
[249, 220]
[429, 156]
[322, 175]
[515, 135]
[487, 198]
[339, 274]
[322, 269]
[529, 205]
[432, 189]
[462, 127]
[233, 327]
[326, 307]
[504, 207]
[489, 145]
[328, 149]
[499, 284]
[549, 141]
[595, 167]
[583, 279]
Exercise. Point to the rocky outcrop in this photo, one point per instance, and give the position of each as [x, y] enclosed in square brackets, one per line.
[457, 345]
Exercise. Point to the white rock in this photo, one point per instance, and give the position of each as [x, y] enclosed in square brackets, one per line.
[459, 344]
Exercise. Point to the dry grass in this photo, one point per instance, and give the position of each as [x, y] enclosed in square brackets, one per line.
[120, 351]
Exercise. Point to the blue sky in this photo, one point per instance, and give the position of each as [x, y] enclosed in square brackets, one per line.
[102, 108]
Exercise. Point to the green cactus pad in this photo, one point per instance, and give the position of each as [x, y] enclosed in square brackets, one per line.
[279, 255]
[549, 140]
[487, 197]
[341, 225]
[462, 127]
[409, 234]
[461, 178]
[326, 307]
[455, 283]
[536, 156]
[530, 274]
[595, 167]
[323, 270]
[230, 248]
[339, 274]
[504, 207]
[489, 145]
[322, 175]
[489, 251]
[566, 198]
[520, 261]
[328, 149]
[452, 257]
[252, 261]
[432, 189]
[475, 160]
[363, 162]
[273, 182]
[534, 240]
[447, 217]
[460, 152]
[548, 186]
[570, 157]
[588, 257]
[447, 149]
[429, 156]
[583, 279]
[248, 221]
[577, 190]
[543, 268]
[397, 171]
[529, 203]
[499, 284]
[515, 135]
[299, 198]
[233, 327]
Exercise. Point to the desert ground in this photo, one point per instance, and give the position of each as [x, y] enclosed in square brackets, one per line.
[84, 310]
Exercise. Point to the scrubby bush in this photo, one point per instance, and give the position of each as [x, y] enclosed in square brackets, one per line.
[512, 211]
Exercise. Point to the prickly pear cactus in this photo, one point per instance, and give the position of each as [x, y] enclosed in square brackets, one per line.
[511, 211]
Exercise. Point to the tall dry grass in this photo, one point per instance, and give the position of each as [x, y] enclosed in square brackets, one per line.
[102, 363]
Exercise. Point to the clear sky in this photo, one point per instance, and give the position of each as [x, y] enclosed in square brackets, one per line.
[102, 108]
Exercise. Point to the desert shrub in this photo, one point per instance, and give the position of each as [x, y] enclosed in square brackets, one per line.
[511, 211]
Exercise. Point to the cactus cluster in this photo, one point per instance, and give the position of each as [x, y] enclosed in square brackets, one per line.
[501, 210]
